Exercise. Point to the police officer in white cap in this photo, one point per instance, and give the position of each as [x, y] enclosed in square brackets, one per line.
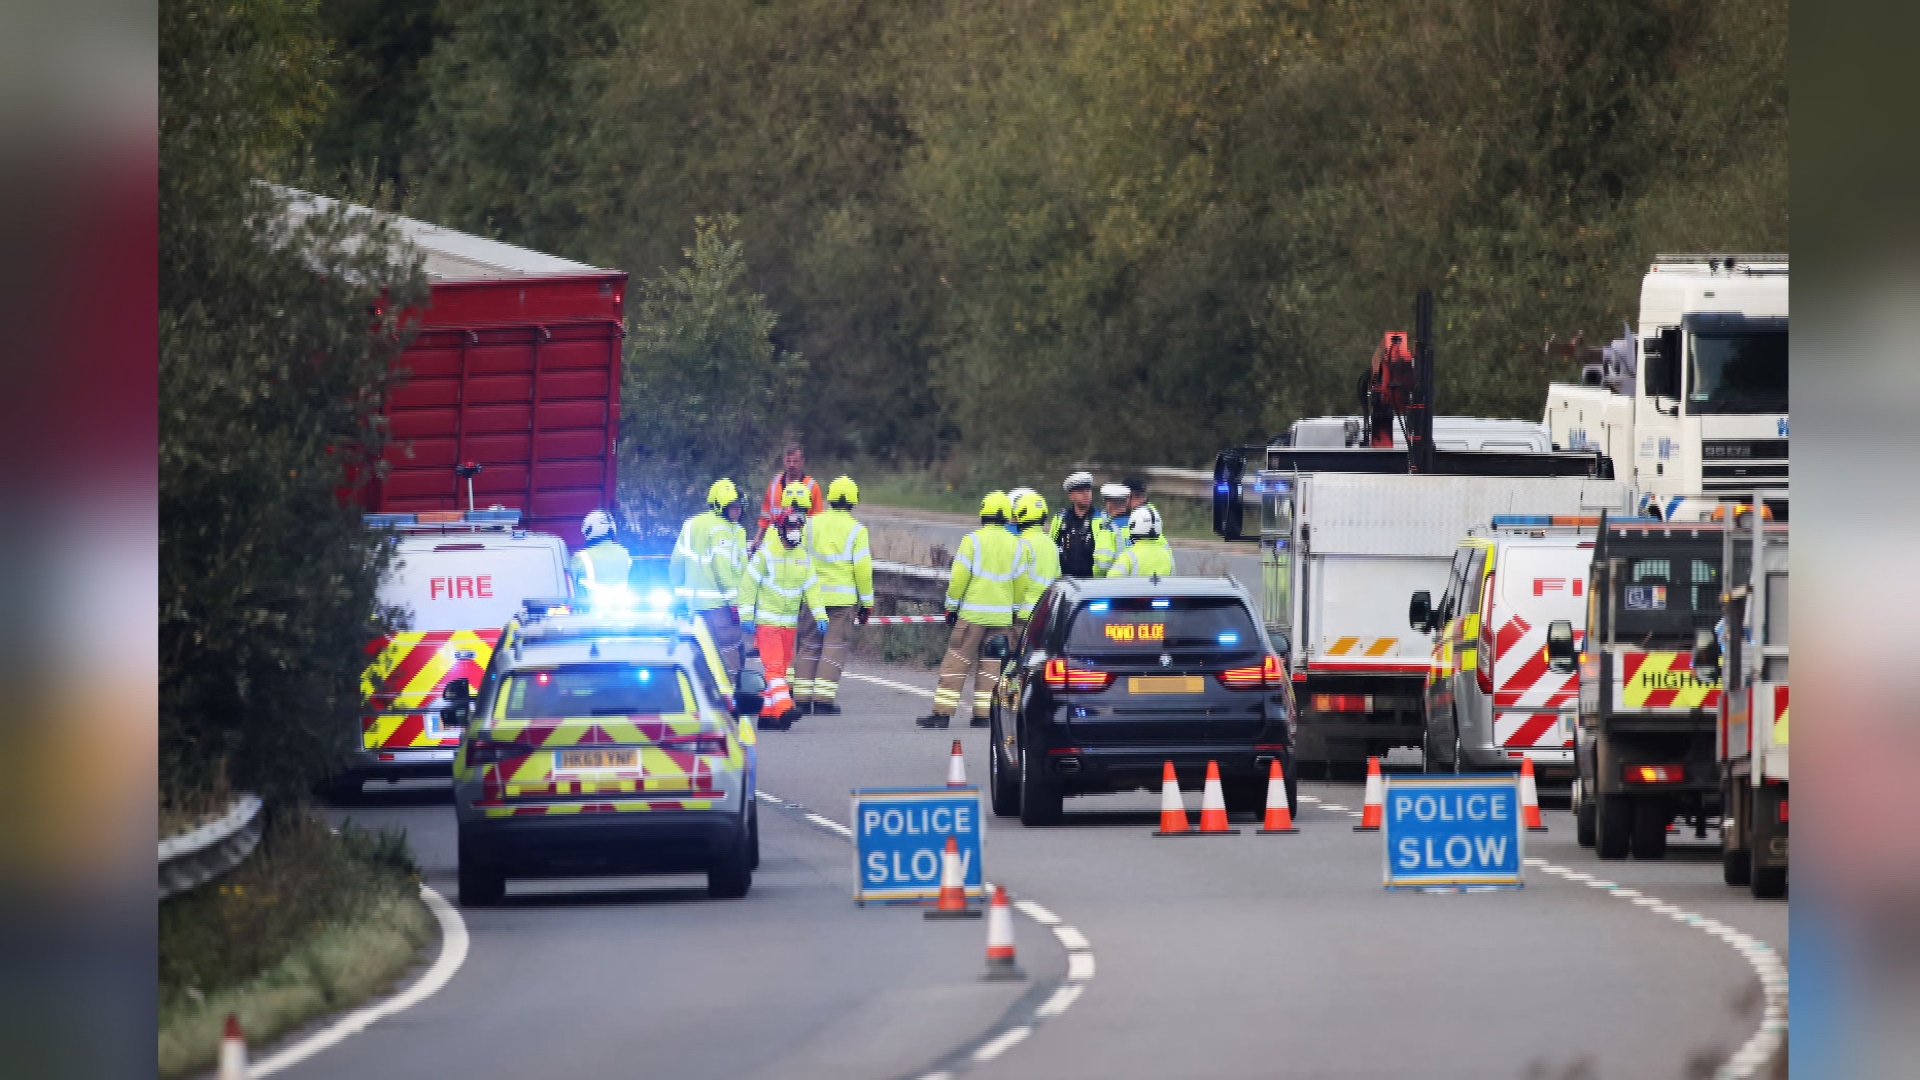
[1110, 535]
[1072, 528]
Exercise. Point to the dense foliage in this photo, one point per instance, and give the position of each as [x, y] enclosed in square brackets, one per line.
[1027, 230]
[274, 346]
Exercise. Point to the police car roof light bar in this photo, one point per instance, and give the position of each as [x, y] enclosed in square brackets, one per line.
[443, 520]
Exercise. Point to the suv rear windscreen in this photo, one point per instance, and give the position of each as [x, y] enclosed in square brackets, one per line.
[592, 690]
[1181, 622]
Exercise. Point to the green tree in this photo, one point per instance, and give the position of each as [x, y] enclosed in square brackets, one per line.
[706, 394]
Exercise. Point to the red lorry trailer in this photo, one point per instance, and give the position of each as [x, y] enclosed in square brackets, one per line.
[516, 368]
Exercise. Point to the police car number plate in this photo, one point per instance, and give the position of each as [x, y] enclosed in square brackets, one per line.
[1166, 684]
[599, 759]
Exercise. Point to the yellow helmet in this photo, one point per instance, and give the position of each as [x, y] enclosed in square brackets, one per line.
[843, 490]
[1030, 509]
[795, 496]
[722, 494]
[995, 507]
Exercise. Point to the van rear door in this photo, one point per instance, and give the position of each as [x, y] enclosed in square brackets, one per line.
[1536, 584]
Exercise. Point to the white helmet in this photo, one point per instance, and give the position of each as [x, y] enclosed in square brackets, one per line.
[1115, 491]
[1144, 521]
[597, 526]
[1016, 494]
[1078, 480]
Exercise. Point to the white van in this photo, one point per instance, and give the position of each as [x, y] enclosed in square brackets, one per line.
[1491, 698]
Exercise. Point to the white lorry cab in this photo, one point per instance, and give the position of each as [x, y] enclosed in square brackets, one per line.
[1692, 403]
[458, 578]
[1492, 699]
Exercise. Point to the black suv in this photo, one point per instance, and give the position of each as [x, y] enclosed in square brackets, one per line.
[1117, 676]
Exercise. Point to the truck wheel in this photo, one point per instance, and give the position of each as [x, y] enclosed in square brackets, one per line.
[1245, 796]
[753, 837]
[1650, 820]
[732, 875]
[1769, 882]
[1583, 822]
[1039, 797]
[1429, 761]
[481, 883]
[1736, 866]
[1612, 825]
[1003, 787]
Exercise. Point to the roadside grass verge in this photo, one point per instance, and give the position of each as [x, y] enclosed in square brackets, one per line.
[312, 923]
[921, 645]
[954, 490]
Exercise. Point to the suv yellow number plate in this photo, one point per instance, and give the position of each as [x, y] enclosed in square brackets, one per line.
[1166, 684]
[599, 759]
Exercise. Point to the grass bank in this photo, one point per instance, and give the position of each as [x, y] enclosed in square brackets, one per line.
[312, 923]
[953, 490]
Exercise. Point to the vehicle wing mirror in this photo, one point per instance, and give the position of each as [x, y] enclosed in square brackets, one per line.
[747, 703]
[1420, 611]
[459, 695]
[1706, 656]
[1282, 645]
[997, 647]
[1560, 652]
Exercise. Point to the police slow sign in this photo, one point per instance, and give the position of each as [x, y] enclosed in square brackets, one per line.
[899, 833]
[1453, 831]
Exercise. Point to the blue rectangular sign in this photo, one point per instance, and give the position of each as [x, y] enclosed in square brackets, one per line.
[1454, 831]
[899, 833]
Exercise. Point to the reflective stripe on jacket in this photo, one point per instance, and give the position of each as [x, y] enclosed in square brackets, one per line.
[1043, 566]
[984, 587]
[1145, 558]
[778, 579]
[1106, 545]
[838, 544]
[605, 563]
[708, 560]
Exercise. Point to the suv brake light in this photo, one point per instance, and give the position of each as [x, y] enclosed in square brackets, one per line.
[702, 743]
[1061, 677]
[1267, 675]
[483, 751]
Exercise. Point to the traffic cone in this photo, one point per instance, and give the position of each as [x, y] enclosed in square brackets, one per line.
[233, 1052]
[1279, 814]
[1529, 798]
[953, 887]
[1173, 811]
[1000, 960]
[957, 767]
[1213, 805]
[1374, 810]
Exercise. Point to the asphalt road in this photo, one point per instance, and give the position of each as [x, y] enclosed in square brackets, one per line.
[1231, 956]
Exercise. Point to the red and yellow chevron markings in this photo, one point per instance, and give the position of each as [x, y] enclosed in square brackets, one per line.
[409, 670]
[1662, 680]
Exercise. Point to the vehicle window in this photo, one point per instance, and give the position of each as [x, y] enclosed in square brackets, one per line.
[1042, 616]
[595, 690]
[1454, 573]
[1738, 373]
[1665, 594]
[465, 585]
[1473, 580]
[1148, 623]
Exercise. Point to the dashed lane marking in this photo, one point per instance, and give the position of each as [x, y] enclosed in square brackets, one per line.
[1765, 1043]
[1061, 998]
[830, 825]
[1080, 966]
[888, 683]
[1001, 1043]
[1071, 938]
[1037, 913]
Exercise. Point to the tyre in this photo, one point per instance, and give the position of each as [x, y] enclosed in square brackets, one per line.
[1612, 826]
[1429, 764]
[1293, 794]
[732, 876]
[481, 882]
[1039, 796]
[1736, 866]
[1650, 819]
[1003, 787]
[1247, 796]
[1769, 882]
[1583, 822]
[1459, 755]
[753, 838]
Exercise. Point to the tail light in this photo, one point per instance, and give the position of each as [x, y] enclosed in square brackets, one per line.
[1268, 674]
[1483, 671]
[1654, 774]
[488, 752]
[1061, 677]
[703, 743]
[1360, 703]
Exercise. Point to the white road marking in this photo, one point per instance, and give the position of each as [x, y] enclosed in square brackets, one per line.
[829, 823]
[888, 683]
[1071, 938]
[941, 1075]
[764, 797]
[1535, 862]
[1037, 913]
[1005, 1041]
[1061, 998]
[1079, 965]
[1333, 806]
[453, 953]
[1602, 885]
[1310, 798]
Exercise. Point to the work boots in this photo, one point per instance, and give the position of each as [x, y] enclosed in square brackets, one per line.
[981, 721]
[825, 708]
[932, 720]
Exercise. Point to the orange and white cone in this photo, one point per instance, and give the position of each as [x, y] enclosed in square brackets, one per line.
[1173, 811]
[1529, 798]
[1279, 814]
[1374, 811]
[952, 903]
[1000, 959]
[1213, 805]
[233, 1052]
[957, 767]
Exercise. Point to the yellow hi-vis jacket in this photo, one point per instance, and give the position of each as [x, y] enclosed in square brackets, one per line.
[708, 560]
[986, 570]
[1144, 558]
[838, 544]
[778, 579]
[605, 563]
[1043, 566]
[1107, 543]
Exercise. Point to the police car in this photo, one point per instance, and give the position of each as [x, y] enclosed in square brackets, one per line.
[604, 742]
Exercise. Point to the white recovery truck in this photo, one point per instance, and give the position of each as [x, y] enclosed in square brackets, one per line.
[1691, 405]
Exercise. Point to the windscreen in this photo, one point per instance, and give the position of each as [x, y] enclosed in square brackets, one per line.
[1149, 623]
[466, 586]
[1665, 593]
[592, 690]
[1738, 373]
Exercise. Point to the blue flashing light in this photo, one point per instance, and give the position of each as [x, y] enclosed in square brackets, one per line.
[1229, 637]
[498, 517]
[1097, 605]
[1162, 603]
[1502, 521]
[659, 599]
[387, 521]
[1220, 488]
[645, 674]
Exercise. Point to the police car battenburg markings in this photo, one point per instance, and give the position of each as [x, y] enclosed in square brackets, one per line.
[899, 834]
[1453, 832]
